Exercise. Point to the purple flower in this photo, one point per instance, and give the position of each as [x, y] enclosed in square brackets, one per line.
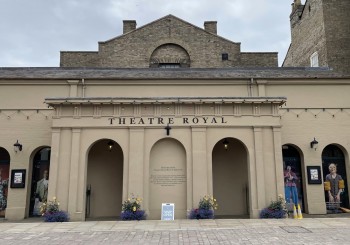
[130, 215]
[201, 214]
[59, 216]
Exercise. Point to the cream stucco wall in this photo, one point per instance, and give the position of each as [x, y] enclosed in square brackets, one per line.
[315, 108]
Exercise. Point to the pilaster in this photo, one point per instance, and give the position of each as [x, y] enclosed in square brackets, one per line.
[73, 209]
[199, 161]
[136, 161]
[55, 151]
[259, 165]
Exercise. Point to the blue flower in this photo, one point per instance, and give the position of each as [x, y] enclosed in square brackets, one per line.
[130, 215]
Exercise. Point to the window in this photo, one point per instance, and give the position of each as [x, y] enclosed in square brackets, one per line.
[314, 60]
[169, 65]
[224, 56]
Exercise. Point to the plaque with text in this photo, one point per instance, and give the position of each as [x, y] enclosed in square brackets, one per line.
[168, 211]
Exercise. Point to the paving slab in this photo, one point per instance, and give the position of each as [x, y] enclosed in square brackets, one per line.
[217, 231]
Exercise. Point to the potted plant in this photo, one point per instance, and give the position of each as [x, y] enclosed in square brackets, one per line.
[52, 213]
[131, 209]
[276, 210]
[205, 210]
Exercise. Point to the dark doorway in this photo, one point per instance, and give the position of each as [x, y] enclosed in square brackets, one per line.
[291, 157]
[104, 180]
[230, 178]
[333, 154]
[4, 179]
[40, 176]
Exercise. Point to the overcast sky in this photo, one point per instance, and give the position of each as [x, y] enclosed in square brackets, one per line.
[33, 32]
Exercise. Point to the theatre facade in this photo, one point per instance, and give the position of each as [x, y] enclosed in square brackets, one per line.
[170, 112]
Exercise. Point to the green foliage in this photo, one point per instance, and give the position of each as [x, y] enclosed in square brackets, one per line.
[52, 213]
[207, 202]
[51, 207]
[280, 204]
[133, 204]
[276, 209]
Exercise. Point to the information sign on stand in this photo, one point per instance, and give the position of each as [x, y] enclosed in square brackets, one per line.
[168, 211]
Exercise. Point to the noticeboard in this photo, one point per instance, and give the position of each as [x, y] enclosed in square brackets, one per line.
[168, 211]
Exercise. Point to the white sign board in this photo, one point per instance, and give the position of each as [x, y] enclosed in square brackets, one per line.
[168, 211]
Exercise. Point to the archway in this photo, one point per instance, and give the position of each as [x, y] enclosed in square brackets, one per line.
[40, 180]
[332, 154]
[168, 181]
[293, 177]
[170, 55]
[104, 180]
[4, 179]
[230, 178]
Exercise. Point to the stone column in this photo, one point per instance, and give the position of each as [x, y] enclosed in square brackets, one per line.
[259, 168]
[277, 144]
[136, 161]
[55, 152]
[199, 164]
[74, 211]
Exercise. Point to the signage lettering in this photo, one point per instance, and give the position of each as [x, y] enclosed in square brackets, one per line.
[166, 120]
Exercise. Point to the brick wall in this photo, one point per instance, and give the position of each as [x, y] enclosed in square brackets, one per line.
[134, 49]
[337, 27]
[308, 36]
[322, 27]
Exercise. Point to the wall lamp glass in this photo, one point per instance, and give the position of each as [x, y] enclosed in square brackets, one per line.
[110, 145]
[17, 146]
[226, 143]
[314, 144]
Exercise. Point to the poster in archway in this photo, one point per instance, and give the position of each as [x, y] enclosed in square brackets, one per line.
[335, 180]
[293, 180]
[40, 180]
[4, 182]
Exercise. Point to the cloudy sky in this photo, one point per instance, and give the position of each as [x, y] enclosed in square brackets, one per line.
[33, 32]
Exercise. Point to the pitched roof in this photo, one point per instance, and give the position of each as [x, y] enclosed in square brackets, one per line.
[54, 73]
[163, 18]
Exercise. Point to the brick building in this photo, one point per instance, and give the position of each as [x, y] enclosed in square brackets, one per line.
[171, 112]
[168, 40]
[320, 31]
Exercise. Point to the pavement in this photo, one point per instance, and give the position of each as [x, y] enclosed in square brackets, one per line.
[216, 231]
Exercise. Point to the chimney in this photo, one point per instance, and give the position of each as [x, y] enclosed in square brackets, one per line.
[295, 5]
[129, 25]
[210, 26]
[297, 10]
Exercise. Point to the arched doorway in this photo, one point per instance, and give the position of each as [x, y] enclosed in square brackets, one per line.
[40, 180]
[332, 154]
[104, 180]
[230, 178]
[293, 178]
[168, 181]
[4, 179]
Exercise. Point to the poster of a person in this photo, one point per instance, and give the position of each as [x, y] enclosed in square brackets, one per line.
[3, 189]
[42, 187]
[290, 185]
[334, 184]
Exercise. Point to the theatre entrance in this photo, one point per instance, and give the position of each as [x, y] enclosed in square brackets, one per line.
[40, 180]
[104, 180]
[230, 178]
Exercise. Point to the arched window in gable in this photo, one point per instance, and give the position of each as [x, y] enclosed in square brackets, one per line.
[170, 56]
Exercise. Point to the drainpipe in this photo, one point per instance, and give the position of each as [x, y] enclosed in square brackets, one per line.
[83, 82]
[250, 92]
